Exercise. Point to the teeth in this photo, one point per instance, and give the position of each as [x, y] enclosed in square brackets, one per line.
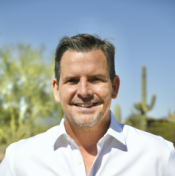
[86, 105]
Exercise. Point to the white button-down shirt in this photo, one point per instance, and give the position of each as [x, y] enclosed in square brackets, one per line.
[123, 151]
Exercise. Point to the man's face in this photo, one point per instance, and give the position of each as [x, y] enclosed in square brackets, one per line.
[85, 89]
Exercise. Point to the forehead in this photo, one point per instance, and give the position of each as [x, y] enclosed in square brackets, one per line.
[76, 61]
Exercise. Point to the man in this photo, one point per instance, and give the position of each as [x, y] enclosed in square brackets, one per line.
[89, 140]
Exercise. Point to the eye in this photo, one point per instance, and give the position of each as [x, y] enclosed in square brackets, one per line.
[95, 80]
[72, 81]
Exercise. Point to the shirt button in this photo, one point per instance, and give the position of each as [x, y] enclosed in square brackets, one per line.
[68, 138]
[79, 162]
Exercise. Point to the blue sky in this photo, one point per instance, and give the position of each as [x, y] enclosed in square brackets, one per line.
[143, 32]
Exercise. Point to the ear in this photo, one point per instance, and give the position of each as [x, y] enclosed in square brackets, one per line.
[115, 86]
[55, 90]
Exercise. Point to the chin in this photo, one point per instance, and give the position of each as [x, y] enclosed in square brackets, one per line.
[87, 120]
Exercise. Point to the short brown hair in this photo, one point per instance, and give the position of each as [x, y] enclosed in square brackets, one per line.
[85, 43]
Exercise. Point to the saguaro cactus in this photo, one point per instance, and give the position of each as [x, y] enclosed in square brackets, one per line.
[117, 113]
[142, 106]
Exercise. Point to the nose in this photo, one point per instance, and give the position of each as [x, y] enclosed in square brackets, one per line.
[84, 89]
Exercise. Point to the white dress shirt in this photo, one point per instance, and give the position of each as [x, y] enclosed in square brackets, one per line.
[123, 151]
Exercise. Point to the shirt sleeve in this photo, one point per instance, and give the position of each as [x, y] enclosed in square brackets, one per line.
[170, 167]
[6, 166]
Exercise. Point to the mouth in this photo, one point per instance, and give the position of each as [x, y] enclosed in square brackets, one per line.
[87, 105]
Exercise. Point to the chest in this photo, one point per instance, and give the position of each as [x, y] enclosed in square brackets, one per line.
[88, 161]
[68, 160]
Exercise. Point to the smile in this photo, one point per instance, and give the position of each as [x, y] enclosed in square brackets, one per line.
[89, 105]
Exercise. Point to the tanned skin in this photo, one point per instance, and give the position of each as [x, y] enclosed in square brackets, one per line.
[85, 92]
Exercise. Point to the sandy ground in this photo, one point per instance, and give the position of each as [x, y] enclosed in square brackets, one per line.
[1, 156]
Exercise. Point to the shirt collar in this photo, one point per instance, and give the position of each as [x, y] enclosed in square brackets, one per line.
[115, 129]
[62, 129]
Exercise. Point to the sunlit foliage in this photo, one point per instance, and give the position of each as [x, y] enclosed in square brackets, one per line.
[26, 99]
[165, 129]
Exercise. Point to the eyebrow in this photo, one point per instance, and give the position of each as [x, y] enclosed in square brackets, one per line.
[92, 76]
[100, 75]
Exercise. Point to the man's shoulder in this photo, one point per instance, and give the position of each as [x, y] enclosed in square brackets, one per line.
[33, 144]
[31, 150]
[146, 140]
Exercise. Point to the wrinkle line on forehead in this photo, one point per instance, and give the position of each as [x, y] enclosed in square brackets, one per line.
[80, 53]
[83, 58]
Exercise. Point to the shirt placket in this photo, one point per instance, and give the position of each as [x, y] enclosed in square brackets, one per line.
[78, 163]
[99, 148]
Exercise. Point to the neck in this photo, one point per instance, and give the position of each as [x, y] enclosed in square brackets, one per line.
[87, 137]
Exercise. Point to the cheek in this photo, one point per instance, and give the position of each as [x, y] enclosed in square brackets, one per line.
[105, 93]
[67, 94]
[106, 97]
